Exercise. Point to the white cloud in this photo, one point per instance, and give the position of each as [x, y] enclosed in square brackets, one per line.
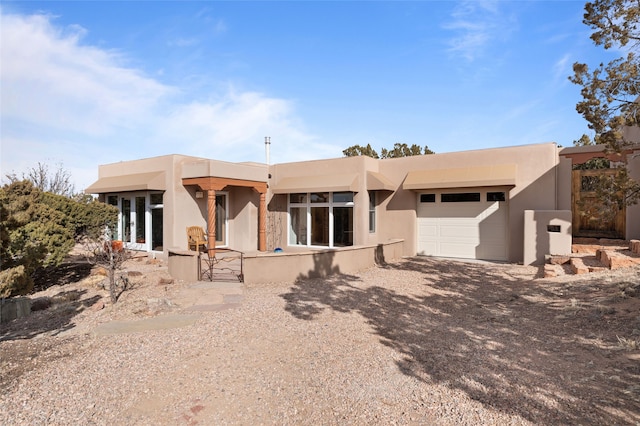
[476, 24]
[67, 102]
[50, 79]
[562, 68]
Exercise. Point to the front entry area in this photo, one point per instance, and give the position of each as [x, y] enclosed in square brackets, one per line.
[467, 223]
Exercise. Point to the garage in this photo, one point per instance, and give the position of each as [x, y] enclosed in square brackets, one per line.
[470, 223]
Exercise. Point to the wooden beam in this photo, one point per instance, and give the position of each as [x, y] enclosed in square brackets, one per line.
[262, 223]
[211, 223]
[218, 183]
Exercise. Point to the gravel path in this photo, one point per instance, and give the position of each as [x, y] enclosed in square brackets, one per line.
[422, 341]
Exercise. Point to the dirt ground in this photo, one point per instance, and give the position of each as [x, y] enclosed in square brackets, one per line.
[562, 350]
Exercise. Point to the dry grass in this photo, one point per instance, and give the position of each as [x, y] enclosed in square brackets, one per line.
[628, 344]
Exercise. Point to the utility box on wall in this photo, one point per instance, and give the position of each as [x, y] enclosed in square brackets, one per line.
[546, 232]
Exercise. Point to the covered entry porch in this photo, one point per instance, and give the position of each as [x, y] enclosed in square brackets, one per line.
[225, 262]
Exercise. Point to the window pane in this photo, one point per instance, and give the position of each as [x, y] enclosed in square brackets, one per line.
[113, 200]
[221, 219]
[298, 229]
[140, 220]
[156, 198]
[126, 219]
[460, 198]
[320, 226]
[496, 196]
[319, 197]
[343, 197]
[342, 226]
[427, 198]
[156, 229]
[372, 211]
[297, 198]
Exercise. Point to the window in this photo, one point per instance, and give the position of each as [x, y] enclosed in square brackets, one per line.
[461, 197]
[322, 219]
[427, 198]
[372, 211]
[140, 219]
[157, 227]
[221, 219]
[496, 196]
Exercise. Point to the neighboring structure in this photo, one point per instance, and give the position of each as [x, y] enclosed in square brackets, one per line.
[467, 204]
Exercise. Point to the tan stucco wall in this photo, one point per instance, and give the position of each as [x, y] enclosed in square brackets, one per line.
[347, 165]
[243, 219]
[292, 265]
[564, 183]
[179, 209]
[542, 183]
[536, 182]
[535, 188]
[539, 242]
[183, 209]
[206, 167]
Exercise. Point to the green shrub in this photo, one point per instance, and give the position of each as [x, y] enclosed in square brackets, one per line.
[39, 229]
[15, 281]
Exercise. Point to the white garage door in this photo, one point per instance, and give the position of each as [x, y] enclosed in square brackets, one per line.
[470, 224]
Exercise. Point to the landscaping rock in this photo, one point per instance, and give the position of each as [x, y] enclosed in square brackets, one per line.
[559, 259]
[553, 270]
[165, 280]
[99, 305]
[578, 267]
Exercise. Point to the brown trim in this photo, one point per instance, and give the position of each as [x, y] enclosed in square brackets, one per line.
[218, 183]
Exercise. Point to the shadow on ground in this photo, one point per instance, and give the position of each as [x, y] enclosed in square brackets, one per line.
[506, 341]
[66, 273]
[52, 315]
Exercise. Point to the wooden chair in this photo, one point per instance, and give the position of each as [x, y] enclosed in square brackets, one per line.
[196, 238]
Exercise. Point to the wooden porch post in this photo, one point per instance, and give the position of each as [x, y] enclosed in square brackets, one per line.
[211, 222]
[262, 222]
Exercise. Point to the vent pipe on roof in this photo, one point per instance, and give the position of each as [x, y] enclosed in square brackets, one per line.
[267, 148]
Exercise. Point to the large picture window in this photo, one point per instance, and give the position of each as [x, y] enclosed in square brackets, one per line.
[322, 219]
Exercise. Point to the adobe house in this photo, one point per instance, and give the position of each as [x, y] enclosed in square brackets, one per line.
[314, 218]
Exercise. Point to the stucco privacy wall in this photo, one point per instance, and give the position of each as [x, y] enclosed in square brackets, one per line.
[535, 188]
[546, 232]
[262, 268]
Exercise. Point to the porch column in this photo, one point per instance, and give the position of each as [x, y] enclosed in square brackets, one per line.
[262, 222]
[211, 222]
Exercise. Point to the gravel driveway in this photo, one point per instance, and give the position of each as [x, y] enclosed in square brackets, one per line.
[421, 341]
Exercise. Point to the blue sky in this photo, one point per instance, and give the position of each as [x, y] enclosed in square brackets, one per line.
[89, 83]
